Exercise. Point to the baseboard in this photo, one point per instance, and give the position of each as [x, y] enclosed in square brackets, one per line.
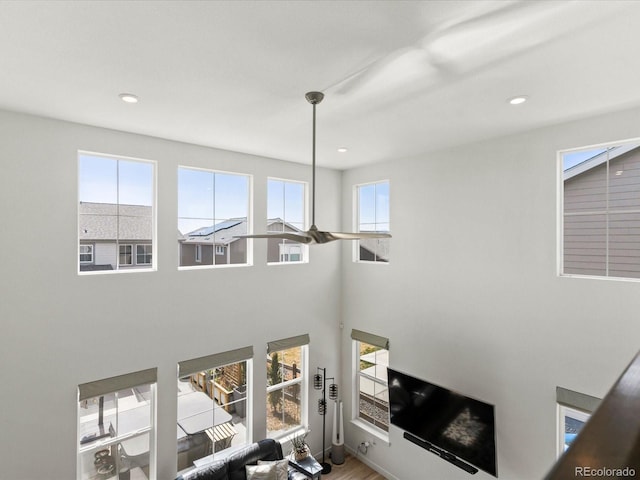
[369, 463]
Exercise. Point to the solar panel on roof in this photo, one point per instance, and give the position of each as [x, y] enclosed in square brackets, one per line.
[204, 231]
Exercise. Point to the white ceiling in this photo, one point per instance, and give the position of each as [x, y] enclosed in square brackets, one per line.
[400, 77]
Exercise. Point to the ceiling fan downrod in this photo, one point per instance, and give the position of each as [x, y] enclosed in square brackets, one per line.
[313, 98]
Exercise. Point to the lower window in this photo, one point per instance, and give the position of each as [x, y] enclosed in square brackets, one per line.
[574, 409]
[213, 414]
[285, 392]
[116, 427]
[371, 390]
[570, 423]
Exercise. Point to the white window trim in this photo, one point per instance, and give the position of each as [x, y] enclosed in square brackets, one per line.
[356, 219]
[120, 245]
[560, 216]
[220, 249]
[249, 261]
[91, 248]
[154, 210]
[198, 252]
[355, 396]
[303, 381]
[304, 253]
[106, 442]
[563, 412]
[223, 454]
[144, 254]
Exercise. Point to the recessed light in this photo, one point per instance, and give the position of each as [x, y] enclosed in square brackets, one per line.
[129, 97]
[518, 100]
[343, 149]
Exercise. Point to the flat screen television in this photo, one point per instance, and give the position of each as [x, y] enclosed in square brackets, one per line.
[453, 423]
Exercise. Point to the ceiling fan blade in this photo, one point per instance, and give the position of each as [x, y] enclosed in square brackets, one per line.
[356, 236]
[302, 237]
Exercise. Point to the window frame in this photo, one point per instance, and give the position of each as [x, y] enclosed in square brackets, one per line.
[249, 209]
[144, 254]
[356, 223]
[304, 252]
[114, 441]
[565, 411]
[560, 267]
[80, 253]
[154, 215]
[213, 363]
[303, 381]
[356, 419]
[130, 245]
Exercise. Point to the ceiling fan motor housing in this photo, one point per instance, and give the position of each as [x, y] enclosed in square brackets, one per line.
[314, 97]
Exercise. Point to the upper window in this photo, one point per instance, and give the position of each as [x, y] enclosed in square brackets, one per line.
[371, 392]
[212, 406]
[285, 213]
[601, 211]
[116, 427]
[213, 207]
[116, 208]
[373, 216]
[286, 386]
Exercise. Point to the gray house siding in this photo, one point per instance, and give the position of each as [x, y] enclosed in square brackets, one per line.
[107, 225]
[602, 237]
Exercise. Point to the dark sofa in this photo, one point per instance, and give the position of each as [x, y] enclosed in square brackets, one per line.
[232, 468]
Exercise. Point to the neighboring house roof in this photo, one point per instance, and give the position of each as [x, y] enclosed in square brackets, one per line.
[609, 154]
[219, 234]
[108, 221]
[286, 225]
[223, 233]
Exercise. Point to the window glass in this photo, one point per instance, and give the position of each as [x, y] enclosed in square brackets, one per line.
[373, 216]
[115, 208]
[372, 392]
[285, 213]
[212, 413]
[115, 431]
[143, 254]
[213, 208]
[601, 211]
[86, 253]
[285, 395]
[126, 255]
[570, 424]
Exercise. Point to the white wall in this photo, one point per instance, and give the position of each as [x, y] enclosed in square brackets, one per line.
[59, 329]
[471, 299]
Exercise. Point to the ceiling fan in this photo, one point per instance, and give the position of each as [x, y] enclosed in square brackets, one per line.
[314, 235]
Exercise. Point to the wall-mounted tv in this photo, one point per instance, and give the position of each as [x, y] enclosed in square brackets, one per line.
[455, 425]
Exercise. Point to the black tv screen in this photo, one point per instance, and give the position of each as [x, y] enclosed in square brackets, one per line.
[460, 425]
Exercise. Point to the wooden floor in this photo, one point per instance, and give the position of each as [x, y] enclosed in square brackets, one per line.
[352, 469]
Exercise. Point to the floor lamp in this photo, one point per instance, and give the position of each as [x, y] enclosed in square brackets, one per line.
[320, 383]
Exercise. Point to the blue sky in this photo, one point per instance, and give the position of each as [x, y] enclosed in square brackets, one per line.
[571, 159]
[373, 202]
[206, 197]
[107, 180]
